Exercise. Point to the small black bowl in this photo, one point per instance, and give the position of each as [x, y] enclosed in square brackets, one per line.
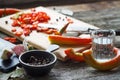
[37, 69]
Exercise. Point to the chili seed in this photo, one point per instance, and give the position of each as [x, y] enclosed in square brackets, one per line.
[6, 22]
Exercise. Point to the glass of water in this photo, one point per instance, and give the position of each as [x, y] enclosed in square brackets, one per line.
[103, 44]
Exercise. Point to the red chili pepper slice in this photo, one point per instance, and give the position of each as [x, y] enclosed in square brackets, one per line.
[7, 38]
[10, 39]
[19, 33]
[13, 30]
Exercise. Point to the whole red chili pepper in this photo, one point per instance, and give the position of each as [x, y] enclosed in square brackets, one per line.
[8, 11]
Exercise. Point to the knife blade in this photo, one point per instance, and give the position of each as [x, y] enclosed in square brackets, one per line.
[57, 26]
[73, 29]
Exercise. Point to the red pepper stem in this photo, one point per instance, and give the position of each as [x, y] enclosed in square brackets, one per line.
[64, 28]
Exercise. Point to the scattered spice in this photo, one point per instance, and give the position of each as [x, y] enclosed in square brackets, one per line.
[6, 22]
[59, 17]
[57, 20]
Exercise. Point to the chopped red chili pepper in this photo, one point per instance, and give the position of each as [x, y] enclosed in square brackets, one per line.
[10, 39]
[29, 21]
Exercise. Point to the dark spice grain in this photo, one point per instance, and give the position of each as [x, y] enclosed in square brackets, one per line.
[38, 61]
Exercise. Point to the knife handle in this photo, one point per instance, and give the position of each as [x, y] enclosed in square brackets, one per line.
[117, 32]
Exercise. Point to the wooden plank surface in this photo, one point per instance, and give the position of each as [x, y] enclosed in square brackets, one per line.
[107, 18]
[34, 3]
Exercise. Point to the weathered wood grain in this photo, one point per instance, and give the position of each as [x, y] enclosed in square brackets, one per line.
[104, 18]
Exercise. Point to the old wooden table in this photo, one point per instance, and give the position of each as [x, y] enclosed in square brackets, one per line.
[106, 18]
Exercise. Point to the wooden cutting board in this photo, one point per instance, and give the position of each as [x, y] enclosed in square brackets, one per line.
[40, 40]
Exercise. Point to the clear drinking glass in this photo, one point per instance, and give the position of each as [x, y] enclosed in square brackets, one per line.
[103, 44]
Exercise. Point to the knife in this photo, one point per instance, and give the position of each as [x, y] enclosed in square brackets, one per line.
[66, 26]
[117, 32]
[74, 29]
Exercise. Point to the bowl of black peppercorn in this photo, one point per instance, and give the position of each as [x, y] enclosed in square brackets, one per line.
[37, 62]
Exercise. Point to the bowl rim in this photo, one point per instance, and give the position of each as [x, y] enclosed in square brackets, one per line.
[26, 64]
